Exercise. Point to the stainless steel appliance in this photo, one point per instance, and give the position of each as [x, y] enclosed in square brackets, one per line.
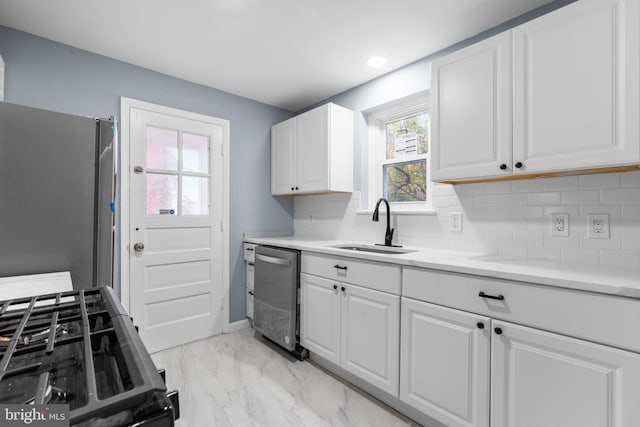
[276, 304]
[56, 193]
[80, 348]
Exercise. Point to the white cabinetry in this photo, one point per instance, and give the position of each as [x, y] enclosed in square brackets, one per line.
[313, 152]
[471, 112]
[575, 96]
[537, 378]
[249, 265]
[352, 326]
[444, 368]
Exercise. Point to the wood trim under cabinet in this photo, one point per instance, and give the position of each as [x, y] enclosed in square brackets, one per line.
[553, 174]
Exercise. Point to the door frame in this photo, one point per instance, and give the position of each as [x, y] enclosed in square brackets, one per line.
[126, 104]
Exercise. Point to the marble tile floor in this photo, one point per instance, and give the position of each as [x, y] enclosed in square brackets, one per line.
[240, 379]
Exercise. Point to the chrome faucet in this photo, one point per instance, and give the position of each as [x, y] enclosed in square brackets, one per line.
[388, 235]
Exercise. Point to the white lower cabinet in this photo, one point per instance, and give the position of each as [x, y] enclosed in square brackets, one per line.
[354, 327]
[464, 370]
[542, 379]
[444, 369]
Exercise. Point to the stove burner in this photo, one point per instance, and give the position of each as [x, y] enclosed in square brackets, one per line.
[79, 348]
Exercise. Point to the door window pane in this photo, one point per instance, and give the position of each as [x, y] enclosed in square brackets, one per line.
[162, 194]
[195, 153]
[162, 149]
[406, 182]
[407, 137]
[195, 195]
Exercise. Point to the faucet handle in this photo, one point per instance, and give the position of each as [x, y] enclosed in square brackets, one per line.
[389, 237]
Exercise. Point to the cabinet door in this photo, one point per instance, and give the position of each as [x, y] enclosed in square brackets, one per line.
[576, 87]
[249, 275]
[540, 379]
[312, 150]
[444, 368]
[371, 336]
[283, 157]
[471, 111]
[320, 317]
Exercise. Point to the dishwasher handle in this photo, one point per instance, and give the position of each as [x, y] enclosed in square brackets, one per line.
[273, 260]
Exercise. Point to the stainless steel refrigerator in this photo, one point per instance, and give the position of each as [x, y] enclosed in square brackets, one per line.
[56, 192]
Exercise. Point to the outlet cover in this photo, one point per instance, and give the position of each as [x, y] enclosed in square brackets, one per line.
[560, 224]
[598, 226]
[455, 221]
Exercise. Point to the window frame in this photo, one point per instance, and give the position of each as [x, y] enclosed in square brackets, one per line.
[376, 123]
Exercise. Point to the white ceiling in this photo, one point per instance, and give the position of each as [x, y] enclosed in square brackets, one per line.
[286, 53]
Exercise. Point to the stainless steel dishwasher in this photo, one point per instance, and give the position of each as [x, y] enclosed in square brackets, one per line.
[276, 305]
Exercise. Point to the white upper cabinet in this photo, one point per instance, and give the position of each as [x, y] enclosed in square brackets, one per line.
[576, 87]
[471, 114]
[313, 153]
[571, 104]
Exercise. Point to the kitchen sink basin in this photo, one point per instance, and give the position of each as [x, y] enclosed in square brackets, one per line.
[388, 250]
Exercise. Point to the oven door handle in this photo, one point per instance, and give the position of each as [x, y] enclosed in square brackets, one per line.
[273, 260]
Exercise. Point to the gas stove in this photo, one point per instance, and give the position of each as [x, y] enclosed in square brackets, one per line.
[80, 348]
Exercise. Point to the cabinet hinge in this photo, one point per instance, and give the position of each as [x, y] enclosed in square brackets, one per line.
[222, 150]
[221, 226]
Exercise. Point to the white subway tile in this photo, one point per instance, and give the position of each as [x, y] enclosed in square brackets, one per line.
[620, 258]
[527, 185]
[498, 212]
[579, 197]
[527, 211]
[609, 180]
[498, 187]
[511, 224]
[442, 189]
[529, 238]
[620, 195]
[512, 199]
[543, 199]
[581, 256]
[472, 212]
[613, 243]
[625, 227]
[631, 211]
[631, 179]
[631, 243]
[563, 183]
[544, 252]
[573, 211]
[485, 200]
[440, 202]
[472, 189]
[571, 241]
[512, 250]
[614, 211]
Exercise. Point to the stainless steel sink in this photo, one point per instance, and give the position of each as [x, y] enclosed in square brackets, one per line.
[389, 250]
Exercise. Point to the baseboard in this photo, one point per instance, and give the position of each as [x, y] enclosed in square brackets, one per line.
[239, 325]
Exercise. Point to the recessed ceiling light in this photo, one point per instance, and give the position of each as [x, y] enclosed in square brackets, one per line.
[377, 61]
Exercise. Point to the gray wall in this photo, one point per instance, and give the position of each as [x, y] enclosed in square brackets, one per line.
[45, 74]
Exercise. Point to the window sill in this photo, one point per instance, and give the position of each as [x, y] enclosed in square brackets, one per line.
[416, 212]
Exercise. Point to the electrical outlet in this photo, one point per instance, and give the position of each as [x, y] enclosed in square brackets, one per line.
[598, 226]
[560, 224]
[455, 221]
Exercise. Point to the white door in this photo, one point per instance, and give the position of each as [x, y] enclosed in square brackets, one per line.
[283, 157]
[471, 111]
[312, 150]
[444, 371]
[320, 316]
[540, 379]
[371, 336]
[576, 87]
[176, 244]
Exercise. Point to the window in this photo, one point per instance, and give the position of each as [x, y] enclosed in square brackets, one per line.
[399, 153]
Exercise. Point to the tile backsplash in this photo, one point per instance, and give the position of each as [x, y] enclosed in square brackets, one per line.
[510, 218]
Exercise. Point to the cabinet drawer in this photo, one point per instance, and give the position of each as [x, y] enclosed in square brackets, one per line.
[601, 318]
[249, 273]
[373, 275]
[250, 252]
[249, 305]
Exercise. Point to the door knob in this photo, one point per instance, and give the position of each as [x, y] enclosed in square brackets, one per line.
[138, 169]
[138, 247]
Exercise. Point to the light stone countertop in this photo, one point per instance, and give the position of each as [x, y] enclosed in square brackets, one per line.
[606, 280]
